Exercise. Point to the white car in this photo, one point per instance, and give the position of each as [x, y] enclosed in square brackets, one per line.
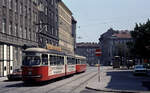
[139, 69]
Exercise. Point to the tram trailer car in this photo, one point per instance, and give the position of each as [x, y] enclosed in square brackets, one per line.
[80, 64]
[41, 65]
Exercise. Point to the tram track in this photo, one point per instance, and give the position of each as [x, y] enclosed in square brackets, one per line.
[41, 88]
[27, 89]
[75, 88]
[69, 82]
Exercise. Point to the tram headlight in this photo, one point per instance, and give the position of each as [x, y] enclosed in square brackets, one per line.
[29, 73]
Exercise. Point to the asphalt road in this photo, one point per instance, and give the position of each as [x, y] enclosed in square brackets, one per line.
[125, 80]
[71, 84]
[120, 79]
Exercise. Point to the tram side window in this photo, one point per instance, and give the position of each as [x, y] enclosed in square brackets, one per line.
[68, 61]
[71, 61]
[78, 61]
[60, 60]
[55, 60]
[44, 59]
[83, 61]
[51, 60]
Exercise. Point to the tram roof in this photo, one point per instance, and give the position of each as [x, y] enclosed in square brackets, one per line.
[42, 50]
[78, 56]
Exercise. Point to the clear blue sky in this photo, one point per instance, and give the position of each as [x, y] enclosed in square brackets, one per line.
[97, 16]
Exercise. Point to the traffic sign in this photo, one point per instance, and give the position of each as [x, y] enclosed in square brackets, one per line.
[98, 52]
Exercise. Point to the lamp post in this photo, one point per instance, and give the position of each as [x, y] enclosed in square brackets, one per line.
[98, 54]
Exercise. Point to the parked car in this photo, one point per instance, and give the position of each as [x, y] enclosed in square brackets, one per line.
[140, 69]
[16, 75]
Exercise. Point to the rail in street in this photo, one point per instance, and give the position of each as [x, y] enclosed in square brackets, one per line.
[72, 84]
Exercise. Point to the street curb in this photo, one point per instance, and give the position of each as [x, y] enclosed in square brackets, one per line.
[3, 79]
[116, 91]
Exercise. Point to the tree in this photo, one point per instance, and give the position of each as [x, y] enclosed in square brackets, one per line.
[140, 47]
[122, 51]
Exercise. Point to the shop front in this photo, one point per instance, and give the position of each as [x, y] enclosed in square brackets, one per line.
[9, 58]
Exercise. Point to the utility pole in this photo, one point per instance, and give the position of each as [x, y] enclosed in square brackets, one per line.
[98, 54]
[98, 70]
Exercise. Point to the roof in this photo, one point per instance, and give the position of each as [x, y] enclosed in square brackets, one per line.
[78, 56]
[88, 44]
[42, 50]
[122, 34]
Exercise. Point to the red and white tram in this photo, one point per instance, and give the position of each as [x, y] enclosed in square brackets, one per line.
[41, 64]
[80, 63]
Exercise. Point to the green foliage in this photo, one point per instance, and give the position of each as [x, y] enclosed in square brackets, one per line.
[121, 50]
[141, 36]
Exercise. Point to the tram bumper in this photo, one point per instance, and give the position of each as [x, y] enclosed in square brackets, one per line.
[33, 78]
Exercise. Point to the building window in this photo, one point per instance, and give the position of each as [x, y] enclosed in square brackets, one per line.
[15, 30]
[52, 2]
[46, 10]
[26, 11]
[41, 25]
[52, 31]
[15, 5]
[20, 35]
[10, 4]
[10, 29]
[4, 2]
[34, 1]
[41, 7]
[35, 36]
[56, 32]
[4, 26]
[52, 15]
[21, 9]
[30, 14]
[46, 28]
[25, 33]
[29, 35]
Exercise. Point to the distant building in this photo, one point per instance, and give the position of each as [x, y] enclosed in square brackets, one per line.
[88, 50]
[67, 28]
[113, 43]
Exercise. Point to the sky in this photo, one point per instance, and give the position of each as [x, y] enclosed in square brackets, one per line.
[94, 17]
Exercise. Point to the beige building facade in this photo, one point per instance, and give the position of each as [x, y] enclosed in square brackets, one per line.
[66, 38]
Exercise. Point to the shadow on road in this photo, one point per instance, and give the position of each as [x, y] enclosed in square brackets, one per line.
[125, 80]
[35, 84]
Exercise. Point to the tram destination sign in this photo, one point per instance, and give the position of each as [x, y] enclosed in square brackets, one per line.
[98, 52]
[51, 47]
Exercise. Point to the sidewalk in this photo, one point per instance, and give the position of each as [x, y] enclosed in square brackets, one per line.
[103, 85]
[3, 79]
